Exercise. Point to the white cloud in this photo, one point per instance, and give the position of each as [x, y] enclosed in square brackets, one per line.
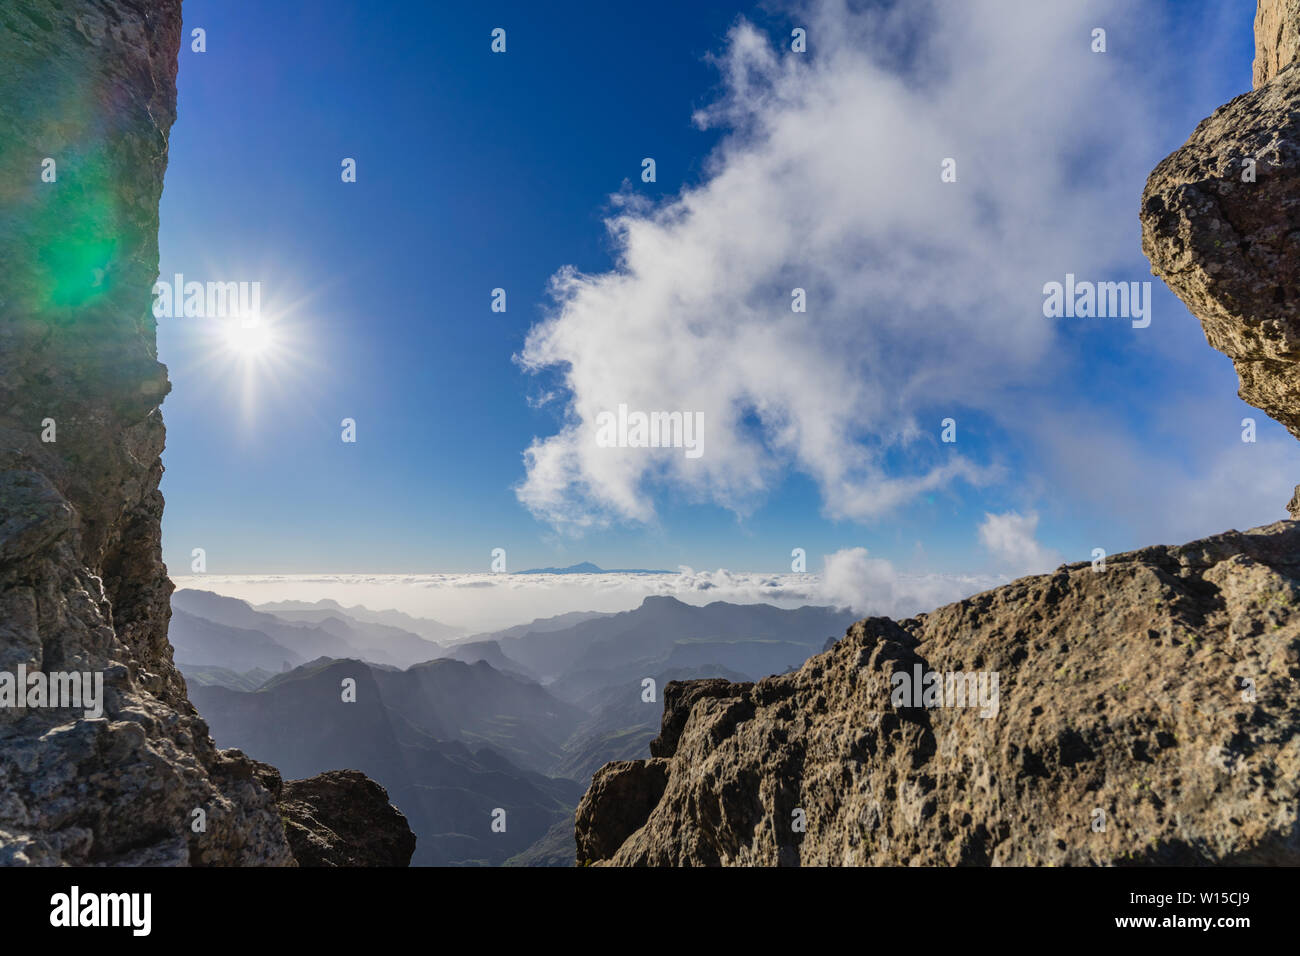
[1012, 539]
[1125, 492]
[922, 296]
[484, 601]
[872, 586]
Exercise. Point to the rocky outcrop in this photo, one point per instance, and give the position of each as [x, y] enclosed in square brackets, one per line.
[623, 794]
[1220, 218]
[340, 818]
[90, 86]
[89, 95]
[1277, 37]
[1147, 712]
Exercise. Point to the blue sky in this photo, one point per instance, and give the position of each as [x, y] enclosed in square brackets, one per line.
[479, 170]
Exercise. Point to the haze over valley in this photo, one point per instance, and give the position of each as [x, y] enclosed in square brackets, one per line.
[457, 725]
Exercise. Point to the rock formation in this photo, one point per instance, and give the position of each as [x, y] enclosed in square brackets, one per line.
[1277, 37]
[1146, 711]
[1219, 220]
[340, 818]
[90, 96]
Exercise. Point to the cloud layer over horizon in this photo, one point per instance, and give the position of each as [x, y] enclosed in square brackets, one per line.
[482, 601]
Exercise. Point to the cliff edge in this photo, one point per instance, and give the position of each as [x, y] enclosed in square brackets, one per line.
[1144, 712]
[132, 778]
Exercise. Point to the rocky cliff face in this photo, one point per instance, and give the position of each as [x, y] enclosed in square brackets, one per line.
[1219, 218]
[1146, 712]
[1277, 37]
[89, 97]
[340, 818]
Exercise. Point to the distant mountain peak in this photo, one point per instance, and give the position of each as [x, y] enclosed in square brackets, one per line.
[661, 600]
[586, 567]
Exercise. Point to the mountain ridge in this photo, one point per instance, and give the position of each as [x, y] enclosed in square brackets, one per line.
[1150, 713]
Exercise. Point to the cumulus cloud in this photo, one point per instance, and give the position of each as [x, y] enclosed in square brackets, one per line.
[922, 296]
[873, 586]
[1012, 539]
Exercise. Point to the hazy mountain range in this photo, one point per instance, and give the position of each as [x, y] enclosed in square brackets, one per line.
[314, 612]
[455, 729]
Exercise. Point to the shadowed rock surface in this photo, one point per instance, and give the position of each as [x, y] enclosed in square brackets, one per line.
[1227, 247]
[82, 584]
[341, 818]
[1160, 691]
[90, 84]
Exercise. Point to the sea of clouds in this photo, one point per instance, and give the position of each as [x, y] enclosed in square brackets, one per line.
[480, 602]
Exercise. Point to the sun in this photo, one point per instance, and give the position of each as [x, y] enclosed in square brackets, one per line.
[248, 341]
[255, 357]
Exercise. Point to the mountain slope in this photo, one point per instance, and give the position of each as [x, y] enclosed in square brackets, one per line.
[447, 789]
[650, 632]
[329, 635]
[198, 641]
[621, 723]
[312, 612]
[472, 652]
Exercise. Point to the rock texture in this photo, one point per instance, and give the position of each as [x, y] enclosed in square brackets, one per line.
[1277, 37]
[1148, 713]
[341, 818]
[90, 85]
[1228, 246]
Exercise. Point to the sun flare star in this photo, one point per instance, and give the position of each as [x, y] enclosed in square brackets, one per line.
[248, 340]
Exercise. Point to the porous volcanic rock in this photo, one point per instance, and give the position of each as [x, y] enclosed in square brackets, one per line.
[1148, 712]
[1221, 222]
